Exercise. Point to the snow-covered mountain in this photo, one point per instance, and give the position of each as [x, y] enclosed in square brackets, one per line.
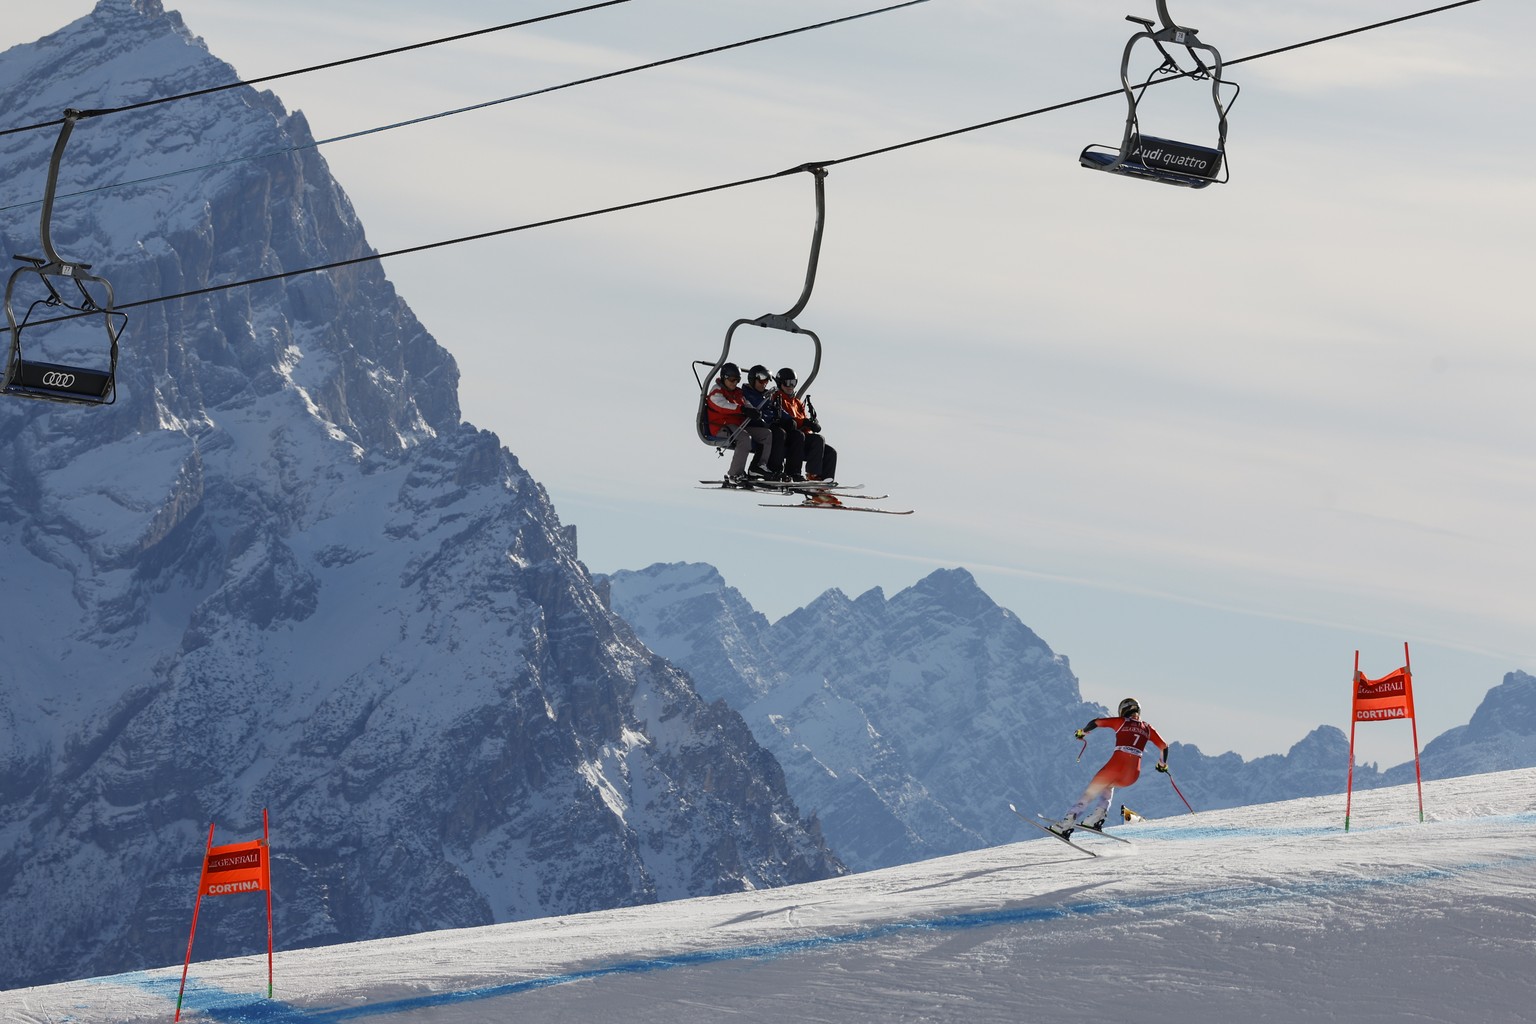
[281, 573]
[1269, 914]
[903, 724]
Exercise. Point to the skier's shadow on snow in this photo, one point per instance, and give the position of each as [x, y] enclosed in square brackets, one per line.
[983, 872]
[758, 915]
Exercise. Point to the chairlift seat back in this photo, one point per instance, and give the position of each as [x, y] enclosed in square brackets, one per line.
[59, 383]
[1161, 160]
[702, 423]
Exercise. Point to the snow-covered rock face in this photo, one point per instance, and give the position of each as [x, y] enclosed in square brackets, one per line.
[342, 342]
[280, 573]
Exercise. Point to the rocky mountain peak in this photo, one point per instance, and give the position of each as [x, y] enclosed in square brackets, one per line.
[1325, 747]
[115, 13]
[955, 588]
[367, 371]
[1509, 707]
[901, 721]
[281, 573]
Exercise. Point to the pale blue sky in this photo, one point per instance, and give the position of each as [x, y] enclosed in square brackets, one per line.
[1206, 444]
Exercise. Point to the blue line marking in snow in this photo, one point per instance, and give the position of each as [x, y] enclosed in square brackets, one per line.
[1183, 828]
[244, 1008]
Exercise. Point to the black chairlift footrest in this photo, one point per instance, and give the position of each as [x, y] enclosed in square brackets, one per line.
[58, 383]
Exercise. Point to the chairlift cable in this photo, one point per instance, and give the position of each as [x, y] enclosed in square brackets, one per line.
[479, 236]
[339, 264]
[1351, 32]
[321, 67]
[477, 106]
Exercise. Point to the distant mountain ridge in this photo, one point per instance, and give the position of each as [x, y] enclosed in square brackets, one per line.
[906, 724]
[281, 573]
[903, 722]
[1501, 736]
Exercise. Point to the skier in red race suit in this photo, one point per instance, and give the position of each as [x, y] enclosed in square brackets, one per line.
[1122, 769]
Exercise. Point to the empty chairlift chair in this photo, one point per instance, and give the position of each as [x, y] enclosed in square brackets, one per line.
[1153, 158]
[64, 347]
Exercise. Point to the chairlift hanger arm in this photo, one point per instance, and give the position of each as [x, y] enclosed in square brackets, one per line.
[786, 320]
[1167, 19]
[45, 228]
[1178, 35]
[52, 264]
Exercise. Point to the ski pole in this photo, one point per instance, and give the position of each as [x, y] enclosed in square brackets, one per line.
[1175, 786]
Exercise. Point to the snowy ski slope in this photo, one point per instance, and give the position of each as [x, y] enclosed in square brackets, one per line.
[1268, 913]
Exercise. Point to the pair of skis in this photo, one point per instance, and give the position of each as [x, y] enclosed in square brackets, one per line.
[817, 494]
[1052, 832]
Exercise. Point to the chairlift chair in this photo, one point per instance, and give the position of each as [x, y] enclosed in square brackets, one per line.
[82, 298]
[1162, 160]
[773, 321]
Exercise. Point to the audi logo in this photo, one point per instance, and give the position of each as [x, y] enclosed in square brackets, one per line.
[53, 379]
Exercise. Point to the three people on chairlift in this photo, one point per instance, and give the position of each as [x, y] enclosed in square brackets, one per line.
[777, 425]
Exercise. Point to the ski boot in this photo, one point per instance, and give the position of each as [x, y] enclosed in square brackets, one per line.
[1064, 827]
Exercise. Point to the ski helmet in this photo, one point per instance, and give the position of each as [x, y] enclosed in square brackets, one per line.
[1129, 707]
[730, 371]
[785, 378]
[758, 372]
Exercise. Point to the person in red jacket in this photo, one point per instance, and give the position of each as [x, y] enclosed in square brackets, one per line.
[801, 433]
[732, 419]
[1122, 769]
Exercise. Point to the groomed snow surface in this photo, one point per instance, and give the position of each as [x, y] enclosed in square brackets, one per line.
[1267, 913]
